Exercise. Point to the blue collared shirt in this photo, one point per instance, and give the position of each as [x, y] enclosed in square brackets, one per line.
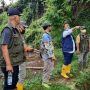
[46, 38]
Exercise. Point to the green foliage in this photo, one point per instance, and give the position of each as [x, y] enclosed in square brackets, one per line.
[3, 20]
[52, 87]
[83, 81]
[33, 86]
[0, 85]
[59, 57]
[75, 68]
[84, 19]
[27, 15]
[58, 11]
[34, 32]
[34, 82]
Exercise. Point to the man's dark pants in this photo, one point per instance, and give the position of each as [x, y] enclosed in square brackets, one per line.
[14, 78]
[67, 58]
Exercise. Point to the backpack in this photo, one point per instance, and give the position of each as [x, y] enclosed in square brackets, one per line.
[41, 48]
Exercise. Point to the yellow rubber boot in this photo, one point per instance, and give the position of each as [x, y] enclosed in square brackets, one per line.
[68, 69]
[63, 72]
[19, 86]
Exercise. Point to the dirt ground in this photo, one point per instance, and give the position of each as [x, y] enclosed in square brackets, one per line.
[34, 60]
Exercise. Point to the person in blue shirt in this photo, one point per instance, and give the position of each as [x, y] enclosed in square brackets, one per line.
[68, 48]
[47, 53]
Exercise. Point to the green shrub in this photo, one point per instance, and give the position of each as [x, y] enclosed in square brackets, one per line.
[3, 20]
[83, 81]
[36, 86]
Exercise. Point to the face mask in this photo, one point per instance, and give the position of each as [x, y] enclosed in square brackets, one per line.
[83, 31]
[68, 27]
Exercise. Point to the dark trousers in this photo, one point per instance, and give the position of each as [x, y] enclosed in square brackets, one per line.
[67, 58]
[14, 78]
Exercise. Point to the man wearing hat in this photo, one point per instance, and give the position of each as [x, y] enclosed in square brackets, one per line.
[83, 47]
[12, 50]
[22, 67]
[47, 53]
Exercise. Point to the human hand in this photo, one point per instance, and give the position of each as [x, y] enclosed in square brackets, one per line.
[78, 52]
[28, 49]
[54, 58]
[77, 27]
[20, 28]
[9, 68]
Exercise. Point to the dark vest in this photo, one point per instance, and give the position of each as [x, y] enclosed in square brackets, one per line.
[67, 44]
[15, 48]
[84, 43]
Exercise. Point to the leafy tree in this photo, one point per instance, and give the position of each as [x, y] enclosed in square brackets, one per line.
[3, 4]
